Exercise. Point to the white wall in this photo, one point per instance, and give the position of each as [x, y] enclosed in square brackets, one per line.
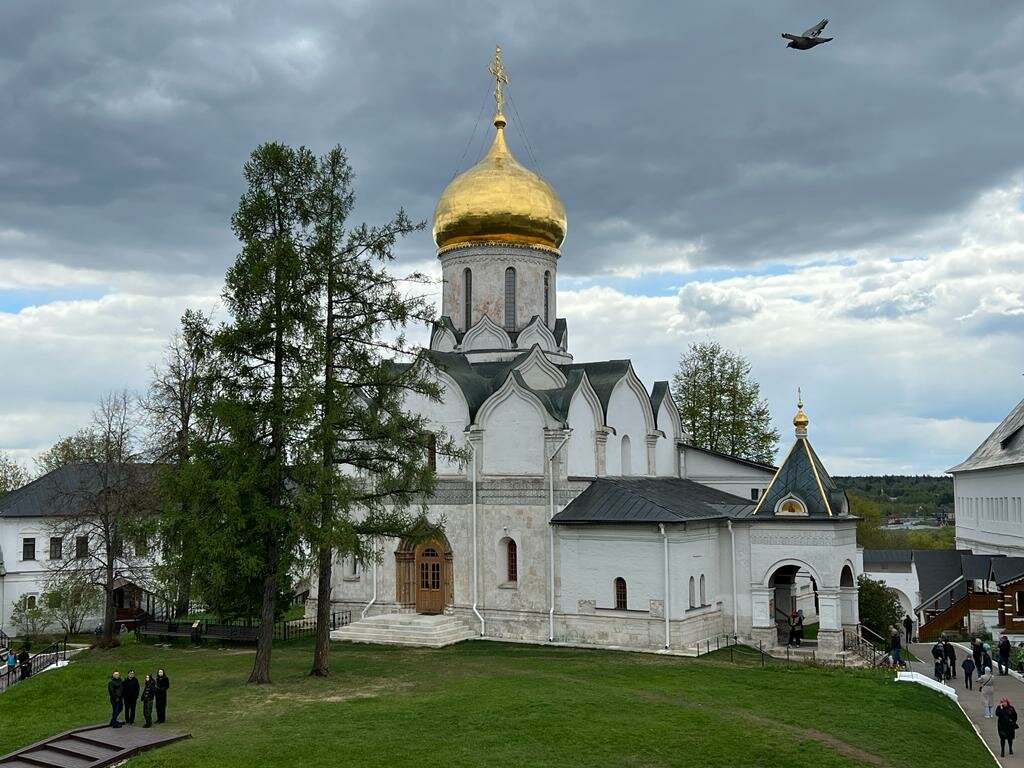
[450, 415]
[626, 416]
[514, 437]
[722, 473]
[581, 447]
[666, 452]
[989, 507]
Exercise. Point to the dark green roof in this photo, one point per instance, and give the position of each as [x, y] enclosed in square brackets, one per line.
[804, 476]
[650, 500]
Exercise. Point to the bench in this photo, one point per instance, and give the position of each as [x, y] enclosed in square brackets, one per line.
[167, 628]
[234, 632]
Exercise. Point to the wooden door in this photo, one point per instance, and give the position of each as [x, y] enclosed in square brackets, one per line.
[429, 578]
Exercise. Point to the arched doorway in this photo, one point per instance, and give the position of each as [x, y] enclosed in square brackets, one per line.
[791, 588]
[423, 574]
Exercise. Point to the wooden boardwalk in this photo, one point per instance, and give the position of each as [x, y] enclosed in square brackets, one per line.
[89, 747]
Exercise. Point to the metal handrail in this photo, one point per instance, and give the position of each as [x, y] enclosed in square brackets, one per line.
[37, 662]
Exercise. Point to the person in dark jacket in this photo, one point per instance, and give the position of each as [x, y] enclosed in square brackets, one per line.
[908, 627]
[25, 663]
[1004, 648]
[968, 666]
[115, 689]
[1006, 724]
[976, 654]
[162, 684]
[148, 694]
[895, 647]
[130, 687]
[986, 657]
[949, 651]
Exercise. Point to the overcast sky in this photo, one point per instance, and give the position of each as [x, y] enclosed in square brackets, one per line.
[849, 218]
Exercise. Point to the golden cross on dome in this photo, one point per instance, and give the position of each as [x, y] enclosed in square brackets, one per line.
[497, 70]
[799, 398]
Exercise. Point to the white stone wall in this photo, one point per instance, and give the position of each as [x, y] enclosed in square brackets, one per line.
[989, 507]
[513, 436]
[719, 472]
[901, 577]
[584, 420]
[488, 264]
[627, 417]
[449, 416]
[666, 451]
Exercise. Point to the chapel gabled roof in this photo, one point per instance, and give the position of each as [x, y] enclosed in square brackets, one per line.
[1002, 448]
[626, 500]
[802, 477]
[1007, 569]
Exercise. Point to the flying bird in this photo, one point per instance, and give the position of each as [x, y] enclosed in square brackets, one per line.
[809, 39]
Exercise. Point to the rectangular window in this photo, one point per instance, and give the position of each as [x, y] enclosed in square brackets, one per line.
[81, 547]
[56, 547]
[28, 549]
[117, 547]
[1020, 603]
[755, 493]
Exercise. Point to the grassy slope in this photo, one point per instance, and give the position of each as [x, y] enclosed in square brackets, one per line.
[507, 705]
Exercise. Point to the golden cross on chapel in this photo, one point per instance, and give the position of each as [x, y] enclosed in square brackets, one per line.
[497, 70]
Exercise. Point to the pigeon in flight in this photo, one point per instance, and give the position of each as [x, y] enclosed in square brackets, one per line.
[809, 39]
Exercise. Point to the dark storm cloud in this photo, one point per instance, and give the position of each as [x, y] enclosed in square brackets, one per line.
[125, 125]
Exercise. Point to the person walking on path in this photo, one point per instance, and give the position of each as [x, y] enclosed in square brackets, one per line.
[939, 655]
[1004, 655]
[115, 689]
[25, 662]
[130, 686]
[1006, 717]
[162, 684]
[950, 653]
[968, 667]
[976, 655]
[908, 626]
[12, 663]
[986, 657]
[986, 683]
[895, 648]
[148, 694]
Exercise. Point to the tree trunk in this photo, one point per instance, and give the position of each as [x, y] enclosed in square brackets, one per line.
[265, 634]
[184, 596]
[321, 666]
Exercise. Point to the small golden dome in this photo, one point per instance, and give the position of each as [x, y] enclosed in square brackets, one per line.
[800, 420]
[498, 200]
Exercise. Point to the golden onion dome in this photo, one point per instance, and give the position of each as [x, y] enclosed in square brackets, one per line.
[800, 420]
[498, 200]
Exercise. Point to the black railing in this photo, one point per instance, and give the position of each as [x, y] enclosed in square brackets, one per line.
[238, 631]
[35, 664]
[873, 651]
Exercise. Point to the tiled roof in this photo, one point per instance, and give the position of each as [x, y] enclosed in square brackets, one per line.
[1007, 569]
[1005, 446]
[650, 500]
[719, 454]
[937, 569]
[62, 491]
[887, 556]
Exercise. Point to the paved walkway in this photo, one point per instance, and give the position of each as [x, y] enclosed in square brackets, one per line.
[90, 747]
[1009, 686]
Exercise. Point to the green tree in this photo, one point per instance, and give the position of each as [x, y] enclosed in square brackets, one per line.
[879, 606]
[29, 617]
[70, 599]
[12, 474]
[362, 424]
[720, 403]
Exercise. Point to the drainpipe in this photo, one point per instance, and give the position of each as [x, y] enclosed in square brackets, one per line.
[476, 546]
[373, 598]
[551, 532]
[668, 597]
[735, 608]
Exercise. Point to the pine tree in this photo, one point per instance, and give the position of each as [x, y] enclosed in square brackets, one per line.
[720, 404]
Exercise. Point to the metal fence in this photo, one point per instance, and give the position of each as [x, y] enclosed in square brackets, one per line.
[36, 663]
[238, 631]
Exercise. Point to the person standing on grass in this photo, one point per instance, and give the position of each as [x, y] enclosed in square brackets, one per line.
[148, 694]
[895, 648]
[130, 686]
[115, 689]
[968, 667]
[986, 683]
[162, 684]
[908, 626]
[1006, 716]
[1004, 655]
[949, 651]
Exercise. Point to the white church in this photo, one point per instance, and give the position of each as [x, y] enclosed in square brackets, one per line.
[584, 516]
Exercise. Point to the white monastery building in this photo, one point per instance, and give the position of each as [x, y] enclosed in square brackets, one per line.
[583, 515]
[988, 489]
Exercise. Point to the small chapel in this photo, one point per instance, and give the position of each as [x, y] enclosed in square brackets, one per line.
[583, 514]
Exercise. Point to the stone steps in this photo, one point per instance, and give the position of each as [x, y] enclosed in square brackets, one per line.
[406, 629]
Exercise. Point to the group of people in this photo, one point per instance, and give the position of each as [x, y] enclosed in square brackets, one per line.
[11, 663]
[125, 694]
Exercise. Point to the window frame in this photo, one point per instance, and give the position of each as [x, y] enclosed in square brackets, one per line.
[510, 298]
[467, 298]
[59, 542]
[81, 547]
[511, 561]
[621, 592]
[28, 544]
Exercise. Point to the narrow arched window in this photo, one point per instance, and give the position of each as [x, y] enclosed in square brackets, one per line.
[467, 283]
[432, 452]
[703, 593]
[512, 560]
[620, 594]
[510, 299]
[626, 463]
[547, 298]
[693, 593]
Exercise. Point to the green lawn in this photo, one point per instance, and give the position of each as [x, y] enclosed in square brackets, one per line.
[507, 704]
